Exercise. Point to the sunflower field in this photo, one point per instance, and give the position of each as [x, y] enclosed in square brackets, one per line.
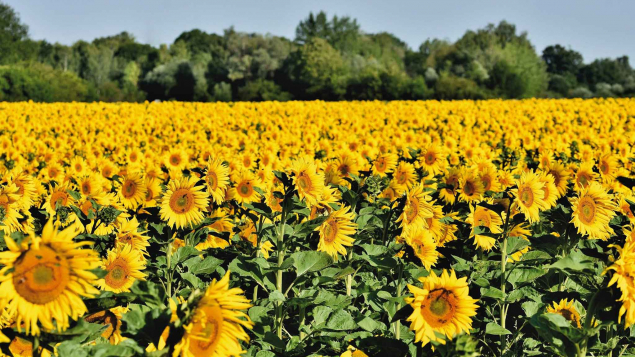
[466, 228]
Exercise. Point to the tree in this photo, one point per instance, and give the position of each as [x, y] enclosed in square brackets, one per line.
[12, 33]
[605, 70]
[198, 41]
[340, 32]
[318, 71]
[560, 60]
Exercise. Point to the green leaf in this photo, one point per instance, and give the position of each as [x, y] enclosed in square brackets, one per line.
[374, 249]
[310, 261]
[205, 266]
[246, 268]
[276, 296]
[525, 274]
[576, 262]
[368, 324]
[515, 244]
[321, 314]
[531, 308]
[493, 292]
[182, 254]
[492, 328]
[341, 320]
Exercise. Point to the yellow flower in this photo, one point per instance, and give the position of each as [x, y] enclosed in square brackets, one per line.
[217, 178]
[307, 181]
[123, 266]
[336, 232]
[484, 217]
[44, 278]
[183, 202]
[566, 309]
[423, 245]
[529, 196]
[442, 307]
[417, 208]
[593, 209]
[218, 323]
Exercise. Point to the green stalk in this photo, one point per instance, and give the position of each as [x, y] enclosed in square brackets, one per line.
[302, 318]
[503, 312]
[386, 225]
[279, 273]
[349, 277]
[399, 282]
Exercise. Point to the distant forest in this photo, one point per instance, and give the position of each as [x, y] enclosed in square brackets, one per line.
[329, 59]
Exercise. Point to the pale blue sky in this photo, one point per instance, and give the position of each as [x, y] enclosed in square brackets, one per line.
[602, 28]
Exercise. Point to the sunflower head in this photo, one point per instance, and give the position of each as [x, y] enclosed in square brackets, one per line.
[442, 308]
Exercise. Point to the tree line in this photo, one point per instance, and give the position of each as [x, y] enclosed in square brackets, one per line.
[329, 59]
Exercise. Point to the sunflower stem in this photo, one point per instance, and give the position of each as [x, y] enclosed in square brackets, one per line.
[349, 277]
[302, 318]
[279, 273]
[503, 311]
[386, 225]
[399, 282]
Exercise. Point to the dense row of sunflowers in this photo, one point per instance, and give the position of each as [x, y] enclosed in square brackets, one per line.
[317, 229]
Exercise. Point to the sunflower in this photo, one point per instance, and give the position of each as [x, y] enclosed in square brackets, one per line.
[346, 164]
[217, 179]
[505, 179]
[624, 278]
[44, 278]
[451, 182]
[124, 265]
[584, 175]
[550, 190]
[27, 191]
[52, 172]
[442, 307]
[218, 324]
[433, 159]
[384, 164]
[9, 208]
[625, 207]
[484, 217]
[529, 196]
[132, 191]
[448, 233]
[352, 352]
[489, 179]
[567, 310]
[520, 230]
[112, 319]
[176, 159]
[433, 223]
[183, 203]
[107, 169]
[423, 245]
[560, 177]
[212, 242]
[608, 166]
[417, 208]
[91, 187]
[471, 187]
[128, 234]
[244, 190]
[307, 181]
[593, 209]
[336, 232]
[78, 166]
[153, 191]
[405, 175]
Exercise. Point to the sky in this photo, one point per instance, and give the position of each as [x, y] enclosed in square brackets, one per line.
[597, 29]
